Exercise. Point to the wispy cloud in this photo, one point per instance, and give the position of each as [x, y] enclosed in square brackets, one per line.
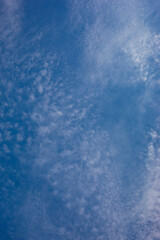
[148, 209]
[115, 43]
[10, 22]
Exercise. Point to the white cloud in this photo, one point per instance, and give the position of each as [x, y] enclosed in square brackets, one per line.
[19, 137]
[6, 149]
[43, 72]
[10, 22]
[148, 209]
[40, 89]
[124, 44]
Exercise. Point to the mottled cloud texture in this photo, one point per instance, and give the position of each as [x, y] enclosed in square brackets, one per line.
[79, 130]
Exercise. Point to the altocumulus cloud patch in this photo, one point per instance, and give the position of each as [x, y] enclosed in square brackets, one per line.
[79, 129]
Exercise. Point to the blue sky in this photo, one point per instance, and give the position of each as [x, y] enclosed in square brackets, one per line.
[79, 120]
